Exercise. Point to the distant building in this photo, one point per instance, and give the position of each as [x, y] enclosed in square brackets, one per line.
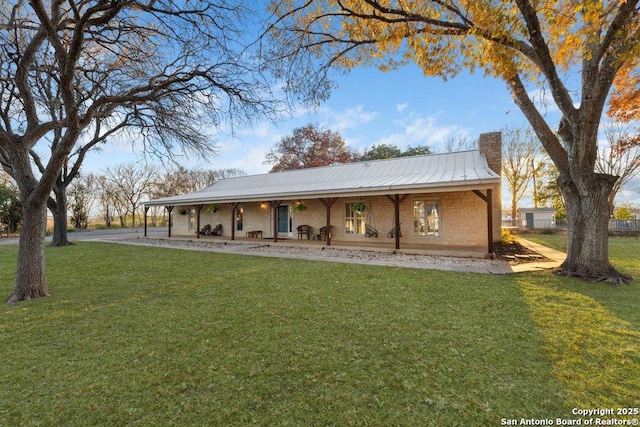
[536, 218]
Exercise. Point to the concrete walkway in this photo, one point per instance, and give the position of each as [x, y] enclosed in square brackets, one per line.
[556, 257]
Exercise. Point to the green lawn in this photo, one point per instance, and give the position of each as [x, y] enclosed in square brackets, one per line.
[137, 335]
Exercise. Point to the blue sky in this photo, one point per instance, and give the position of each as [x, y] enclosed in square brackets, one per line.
[401, 107]
[369, 107]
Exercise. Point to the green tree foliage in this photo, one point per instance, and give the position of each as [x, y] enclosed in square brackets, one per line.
[623, 212]
[549, 193]
[381, 151]
[10, 209]
[390, 151]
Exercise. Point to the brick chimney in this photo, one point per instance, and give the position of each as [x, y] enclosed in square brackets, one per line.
[490, 144]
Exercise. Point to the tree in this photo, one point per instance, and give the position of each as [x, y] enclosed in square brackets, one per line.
[390, 151]
[158, 71]
[549, 192]
[131, 184]
[623, 212]
[10, 208]
[105, 196]
[537, 169]
[625, 99]
[308, 147]
[522, 42]
[459, 142]
[58, 204]
[180, 180]
[381, 151]
[82, 194]
[518, 154]
[618, 158]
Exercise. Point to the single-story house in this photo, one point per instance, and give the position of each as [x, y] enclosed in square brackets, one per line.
[533, 218]
[440, 203]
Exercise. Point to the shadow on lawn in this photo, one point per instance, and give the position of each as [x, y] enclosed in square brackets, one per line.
[595, 354]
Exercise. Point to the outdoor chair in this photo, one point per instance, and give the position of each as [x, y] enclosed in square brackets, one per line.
[206, 230]
[217, 231]
[304, 229]
[392, 233]
[369, 231]
[323, 232]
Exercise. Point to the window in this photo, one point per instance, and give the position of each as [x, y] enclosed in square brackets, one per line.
[239, 218]
[354, 218]
[426, 218]
[191, 216]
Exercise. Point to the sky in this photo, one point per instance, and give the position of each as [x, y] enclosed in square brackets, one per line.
[369, 107]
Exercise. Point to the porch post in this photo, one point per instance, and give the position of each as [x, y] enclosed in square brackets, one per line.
[396, 200]
[198, 209]
[146, 209]
[489, 201]
[169, 209]
[490, 219]
[233, 206]
[275, 204]
[328, 202]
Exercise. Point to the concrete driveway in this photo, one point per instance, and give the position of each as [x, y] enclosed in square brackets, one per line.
[106, 234]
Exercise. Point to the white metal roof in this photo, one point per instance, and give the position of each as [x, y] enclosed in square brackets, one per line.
[459, 171]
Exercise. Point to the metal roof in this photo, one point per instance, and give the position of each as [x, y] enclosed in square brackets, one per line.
[428, 173]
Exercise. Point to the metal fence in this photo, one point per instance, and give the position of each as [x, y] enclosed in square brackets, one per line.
[622, 225]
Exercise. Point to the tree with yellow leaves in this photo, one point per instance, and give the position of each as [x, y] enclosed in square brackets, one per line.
[525, 43]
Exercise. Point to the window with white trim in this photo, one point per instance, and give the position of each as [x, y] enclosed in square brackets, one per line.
[426, 218]
[354, 218]
[191, 216]
[239, 218]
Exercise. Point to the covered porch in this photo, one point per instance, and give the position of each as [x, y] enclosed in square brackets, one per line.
[428, 203]
[456, 223]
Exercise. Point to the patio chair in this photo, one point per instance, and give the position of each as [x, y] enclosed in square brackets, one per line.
[206, 230]
[369, 231]
[392, 233]
[217, 231]
[323, 232]
[304, 229]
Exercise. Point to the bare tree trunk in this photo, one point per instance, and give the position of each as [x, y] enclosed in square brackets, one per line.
[30, 280]
[60, 236]
[107, 217]
[588, 231]
[612, 206]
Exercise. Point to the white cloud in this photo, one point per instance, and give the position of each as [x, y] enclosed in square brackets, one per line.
[349, 118]
[419, 130]
[401, 107]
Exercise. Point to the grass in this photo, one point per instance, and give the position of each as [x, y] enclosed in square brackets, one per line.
[137, 335]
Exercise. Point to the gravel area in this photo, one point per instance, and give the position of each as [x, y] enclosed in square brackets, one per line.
[332, 254]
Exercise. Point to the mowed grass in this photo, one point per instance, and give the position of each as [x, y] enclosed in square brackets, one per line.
[138, 335]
